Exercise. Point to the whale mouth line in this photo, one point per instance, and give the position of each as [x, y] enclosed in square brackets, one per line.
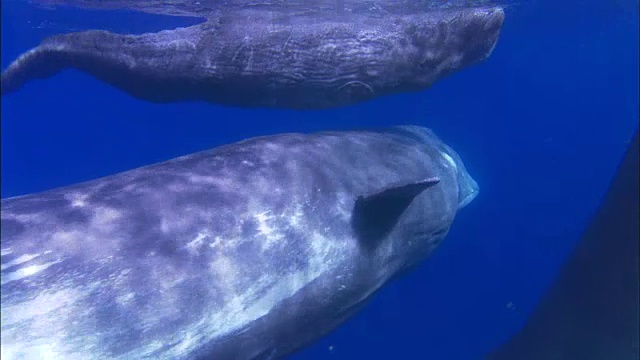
[467, 199]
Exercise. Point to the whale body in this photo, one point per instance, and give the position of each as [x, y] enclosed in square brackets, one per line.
[250, 250]
[251, 58]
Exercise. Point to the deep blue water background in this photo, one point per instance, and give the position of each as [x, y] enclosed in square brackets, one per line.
[541, 125]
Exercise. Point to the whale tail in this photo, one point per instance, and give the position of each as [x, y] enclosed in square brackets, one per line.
[38, 63]
[106, 56]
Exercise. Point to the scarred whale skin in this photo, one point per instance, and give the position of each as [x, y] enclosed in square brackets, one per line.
[257, 59]
[246, 251]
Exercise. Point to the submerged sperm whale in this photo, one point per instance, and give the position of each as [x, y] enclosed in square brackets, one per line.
[249, 58]
[247, 251]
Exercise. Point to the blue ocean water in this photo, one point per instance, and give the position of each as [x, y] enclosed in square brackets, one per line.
[541, 125]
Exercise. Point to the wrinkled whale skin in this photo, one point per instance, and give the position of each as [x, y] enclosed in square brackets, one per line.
[248, 251]
[257, 59]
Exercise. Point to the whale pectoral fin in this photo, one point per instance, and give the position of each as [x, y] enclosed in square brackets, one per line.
[374, 215]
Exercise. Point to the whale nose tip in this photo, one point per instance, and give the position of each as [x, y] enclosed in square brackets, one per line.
[468, 190]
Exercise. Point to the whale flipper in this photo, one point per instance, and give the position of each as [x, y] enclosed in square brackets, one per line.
[375, 215]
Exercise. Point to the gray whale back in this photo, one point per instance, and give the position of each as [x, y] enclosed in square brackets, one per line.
[257, 59]
[246, 251]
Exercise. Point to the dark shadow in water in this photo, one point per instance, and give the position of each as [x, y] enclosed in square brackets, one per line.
[591, 311]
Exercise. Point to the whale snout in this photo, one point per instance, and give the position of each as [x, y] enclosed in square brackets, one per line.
[467, 189]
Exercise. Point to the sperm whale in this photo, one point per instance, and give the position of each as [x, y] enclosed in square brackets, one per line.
[248, 251]
[256, 59]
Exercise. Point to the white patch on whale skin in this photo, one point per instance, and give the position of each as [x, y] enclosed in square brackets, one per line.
[194, 245]
[269, 233]
[449, 160]
[22, 259]
[101, 231]
[44, 304]
[343, 207]
[77, 200]
[65, 237]
[180, 44]
[38, 328]
[224, 271]
[25, 272]
[105, 217]
[271, 229]
[125, 300]
[24, 218]
[295, 219]
[203, 180]
[40, 352]
[216, 243]
[49, 325]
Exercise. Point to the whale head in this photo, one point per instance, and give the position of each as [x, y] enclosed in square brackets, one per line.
[404, 223]
[467, 187]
